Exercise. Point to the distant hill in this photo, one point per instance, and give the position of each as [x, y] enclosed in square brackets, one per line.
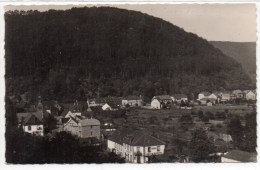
[242, 52]
[85, 52]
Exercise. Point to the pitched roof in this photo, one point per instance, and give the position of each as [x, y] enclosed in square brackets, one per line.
[134, 138]
[88, 122]
[241, 156]
[64, 112]
[179, 96]
[163, 97]
[27, 115]
[112, 104]
[65, 120]
[236, 91]
[32, 120]
[132, 98]
[205, 93]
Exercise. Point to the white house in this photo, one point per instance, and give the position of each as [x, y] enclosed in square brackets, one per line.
[213, 96]
[203, 94]
[225, 97]
[158, 102]
[179, 97]
[206, 97]
[249, 95]
[132, 101]
[110, 106]
[134, 146]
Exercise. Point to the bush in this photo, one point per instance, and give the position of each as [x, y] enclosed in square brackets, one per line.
[219, 126]
[205, 119]
[200, 114]
[210, 115]
[193, 113]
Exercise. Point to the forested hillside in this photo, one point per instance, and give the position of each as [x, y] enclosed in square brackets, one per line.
[242, 52]
[85, 52]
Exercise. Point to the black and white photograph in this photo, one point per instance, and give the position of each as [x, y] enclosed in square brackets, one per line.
[130, 83]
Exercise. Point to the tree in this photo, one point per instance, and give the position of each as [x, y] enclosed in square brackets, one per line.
[200, 146]
[210, 115]
[200, 114]
[235, 129]
[186, 118]
[250, 132]
[205, 119]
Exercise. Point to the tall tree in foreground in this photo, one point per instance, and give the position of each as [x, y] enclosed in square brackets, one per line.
[235, 129]
[200, 146]
[250, 133]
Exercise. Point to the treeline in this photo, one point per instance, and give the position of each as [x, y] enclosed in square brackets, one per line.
[110, 51]
[59, 148]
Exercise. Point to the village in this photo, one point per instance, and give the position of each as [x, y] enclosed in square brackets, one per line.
[139, 131]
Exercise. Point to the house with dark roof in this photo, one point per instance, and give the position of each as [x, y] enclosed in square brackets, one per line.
[179, 97]
[238, 93]
[238, 156]
[135, 146]
[132, 101]
[34, 122]
[160, 102]
[82, 127]
[31, 122]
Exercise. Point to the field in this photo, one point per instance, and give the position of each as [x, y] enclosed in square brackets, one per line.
[166, 125]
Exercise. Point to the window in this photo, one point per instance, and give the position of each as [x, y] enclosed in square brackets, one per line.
[91, 133]
[91, 126]
[158, 148]
[149, 149]
[29, 128]
[138, 148]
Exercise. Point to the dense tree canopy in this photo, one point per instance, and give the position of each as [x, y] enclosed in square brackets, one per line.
[200, 146]
[83, 52]
[59, 148]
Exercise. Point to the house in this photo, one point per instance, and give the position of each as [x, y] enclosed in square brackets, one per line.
[249, 95]
[102, 101]
[238, 94]
[203, 94]
[213, 96]
[31, 123]
[225, 97]
[34, 122]
[83, 128]
[238, 156]
[135, 146]
[132, 101]
[159, 102]
[179, 97]
[206, 97]
[110, 106]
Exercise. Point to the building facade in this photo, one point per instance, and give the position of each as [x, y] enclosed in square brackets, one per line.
[135, 147]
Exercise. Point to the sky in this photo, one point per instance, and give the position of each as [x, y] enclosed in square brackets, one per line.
[214, 22]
